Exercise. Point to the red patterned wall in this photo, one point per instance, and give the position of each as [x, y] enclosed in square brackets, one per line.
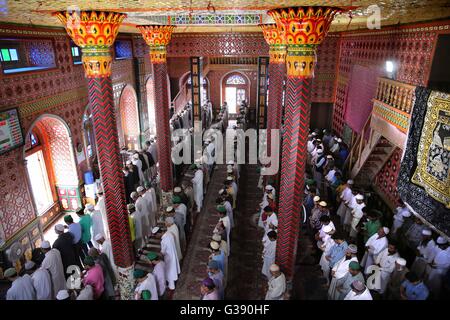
[129, 115]
[410, 46]
[386, 179]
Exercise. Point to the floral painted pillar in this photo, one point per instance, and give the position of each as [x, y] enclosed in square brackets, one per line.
[304, 28]
[94, 32]
[158, 37]
[277, 74]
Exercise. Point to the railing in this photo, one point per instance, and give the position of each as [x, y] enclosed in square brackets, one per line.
[395, 94]
[358, 143]
[234, 60]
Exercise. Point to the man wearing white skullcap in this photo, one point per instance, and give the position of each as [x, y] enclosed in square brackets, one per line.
[325, 244]
[142, 205]
[426, 251]
[21, 287]
[53, 264]
[345, 196]
[140, 221]
[97, 222]
[138, 163]
[374, 245]
[64, 244]
[42, 282]
[63, 295]
[169, 251]
[359, 292]
[197, 183]
[173, 229]
[386, 260]
[397, 278]
[357, 214]
[276, 285]
[340, 270]
[105, 247]
[439, 267]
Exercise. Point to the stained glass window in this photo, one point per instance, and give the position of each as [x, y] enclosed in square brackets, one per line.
[8, 55]
[236, 79]
[34, 140]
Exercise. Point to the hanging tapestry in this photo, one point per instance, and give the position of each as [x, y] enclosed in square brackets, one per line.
[424, 179]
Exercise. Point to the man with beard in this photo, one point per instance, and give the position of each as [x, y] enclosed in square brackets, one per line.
[397, 278]
[386, 261]
[340, 270]
[343, 285]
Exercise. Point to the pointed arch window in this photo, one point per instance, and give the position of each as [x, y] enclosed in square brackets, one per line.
[236, 79]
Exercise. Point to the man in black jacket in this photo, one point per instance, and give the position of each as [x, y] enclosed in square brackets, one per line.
[64, 244]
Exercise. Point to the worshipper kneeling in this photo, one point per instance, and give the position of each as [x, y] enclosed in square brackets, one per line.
[276, 285]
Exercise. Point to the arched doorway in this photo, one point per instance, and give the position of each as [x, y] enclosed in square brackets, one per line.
[151, 106]
[50, 163]
[235, 89]
[129, 117]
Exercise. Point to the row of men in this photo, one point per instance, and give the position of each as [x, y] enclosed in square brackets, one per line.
[213, 287]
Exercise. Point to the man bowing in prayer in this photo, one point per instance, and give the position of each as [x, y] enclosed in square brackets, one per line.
[158, 271]
[21, 288]
[169, 251]
[276, 285]
[145, 281]
[53, 264]
[42, 282]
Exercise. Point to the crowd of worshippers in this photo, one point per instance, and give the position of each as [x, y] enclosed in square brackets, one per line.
[361, 257]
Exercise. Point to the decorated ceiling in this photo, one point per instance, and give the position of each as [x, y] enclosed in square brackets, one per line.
[223, 15]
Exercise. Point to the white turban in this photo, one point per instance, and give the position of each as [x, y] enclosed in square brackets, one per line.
[441, 240]
[269, 187]
[386, 230]
[426, 232]
[214, 245]
[45, 245]
[327, 228]
[274, 268]
[177, 189]
[134, 194]
[322, 204]
[316, 199]
[140, 189]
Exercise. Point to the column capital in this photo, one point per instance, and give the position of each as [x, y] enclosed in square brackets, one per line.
[275, 40]
[94, 32]
[304, 28]
[158, 38]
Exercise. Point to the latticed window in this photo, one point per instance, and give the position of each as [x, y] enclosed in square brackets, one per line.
[236, 79]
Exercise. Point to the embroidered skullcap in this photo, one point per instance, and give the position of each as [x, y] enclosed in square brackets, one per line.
[140, 189]
[358, 286]
[316, 199]
[59, 228]
[352, 248]
[214, 245]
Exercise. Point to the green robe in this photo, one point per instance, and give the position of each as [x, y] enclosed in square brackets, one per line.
[86, 224]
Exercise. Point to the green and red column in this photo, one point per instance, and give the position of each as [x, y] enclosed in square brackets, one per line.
[157, 38]
[94, 32]
[277, 74]
[303, 29]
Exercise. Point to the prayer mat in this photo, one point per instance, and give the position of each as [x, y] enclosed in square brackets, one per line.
[424, 179]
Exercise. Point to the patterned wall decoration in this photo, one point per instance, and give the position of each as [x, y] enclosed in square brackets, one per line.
[40, 52]
[129, 116]
[210, 45]
[411, 47]
[386, 179]
[123, 48]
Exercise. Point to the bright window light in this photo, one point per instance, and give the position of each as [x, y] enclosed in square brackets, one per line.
[389, 66]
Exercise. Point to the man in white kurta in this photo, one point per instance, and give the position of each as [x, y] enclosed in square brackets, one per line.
[53, 264]
[21, 287]
[426, 251]
[146, 282]
[106, 248]
[439, 267]
[376, 243]
[327, 244]
[401, 213]
[340, 270]
[348, 213]
[229, 208]
[197, 183]
[386, 260]
[158, 272]
[42, 281]
[172, 228]
[150, 196]
[137, 217]
[180, 217]
[101, 206]
[359, 292]
[345, 196]
[225, 221]
[142, 206]
[97, 222]
[138, 163]
[357, 214]
[269, 252]
[169, 251]
[276, 285]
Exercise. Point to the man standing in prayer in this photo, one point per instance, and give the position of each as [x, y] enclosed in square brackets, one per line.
[270, 248]
[97, 222]
[376, 243]
[138, 163]
[372, 225]
[326, 244]
[144, 212]
[439, 267]
[150, 196]
[172, 228]
[397, 278]
[217, 255]
[340, 269]
[197, 183]
[345, 197]
[136, 227]
[158, 271]
[413, 288]
[106, 248]
[64, 244]
[359, 292]
[426, 251]
[216, 275]
[108, 273]
[42, 282]
[101, 206]
[276, 285]
[180, 217]
[357, 214]
[21, 287]
[93, 276]
[145, 281]
[401, 212]
[53, 264]
[86, 224]
[75, 230]
[169, 251]
[337, 252]
[224, 222]
[386, 261]
[343, 285]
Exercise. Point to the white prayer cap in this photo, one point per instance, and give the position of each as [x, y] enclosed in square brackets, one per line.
[221, 191]
[339, 140]
[426, 232]
[359, 197]
[29, 265]
[208, 140]
[327, 228]
[45, 245]
[99, 236]
[336, 139]
[314, 134]
[62, 295]
[350, 181]
[177, 189]
[230, 162]
[155, 230]
[216, 237]
[169, 209]
[169, 220]
[401, 261]
[90, 206]
[320, 151]
[441, 240]
[229, 167]
[134, 194]
[386, 230]
[316, 199]
[130, 206]
[230, 170]
[329, 156]
[406, 213]
[59, 228]
[322, 204]
[269, 187]
[135, 156]
[230, 178]
[128, 162]
[274, 268]
[140, 189]
[214, 245]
